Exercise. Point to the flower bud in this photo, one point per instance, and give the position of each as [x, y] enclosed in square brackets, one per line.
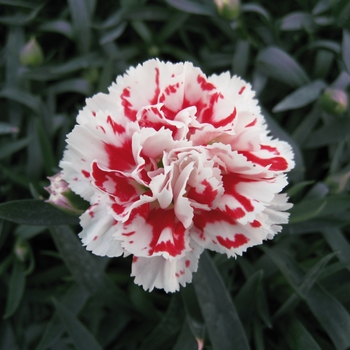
[21, 249]
[62, 197]
[31, 54]
[334, 101]
[228, 9]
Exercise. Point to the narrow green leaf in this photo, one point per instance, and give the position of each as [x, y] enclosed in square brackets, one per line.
[20, 20]
[241, 57]
[168, 327]
[35, 212]
[80, 86]
[27, 99]
[342, 82]
[299, 338]
[74, 299]
[81, 24]
[279, 65]
[297, 21]
[192, 6]
[321, 6]
[307, 282]
[332, 315]
[301, 97]
[9, 148]
[337, 242]
[312, 208]
[258, 9]
[220, 315]
[59, 26]
[28, 232]
[16, 289]
[194, 315]
[46, 148]
[113, 34]
[85, 269]
[329, 134]
[6, 128]
[346, 49]
[7, 338]
[302, 132]
[186, 340]
[81, 337]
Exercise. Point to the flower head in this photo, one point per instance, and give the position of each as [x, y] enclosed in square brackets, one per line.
[173, 162]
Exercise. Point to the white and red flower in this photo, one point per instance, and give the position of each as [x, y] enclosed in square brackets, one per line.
[173, 162]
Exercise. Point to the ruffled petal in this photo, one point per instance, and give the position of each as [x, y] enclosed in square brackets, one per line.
[161, 273]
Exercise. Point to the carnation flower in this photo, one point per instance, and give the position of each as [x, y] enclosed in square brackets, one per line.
[174, 162]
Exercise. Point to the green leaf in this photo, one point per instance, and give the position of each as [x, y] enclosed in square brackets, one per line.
[333, 317]
[299, 338]
[279, 65]
[81, 24]
[162, 335]
[346, 49]
[6, 128]
[27, 99]
[191, 6]
[74, 299]
[85, 269]
[81, 337]
[20, 20]
[186, 340]
[337, 242]
[46, 148]
[246, 298]
[329, 134]
[59, 26]
[301, 97]
[220, 315]
[16, 289]
[9, 148]
[258, 9]
[80, 86]
[297, 21]
[35, 212]
[316, 207]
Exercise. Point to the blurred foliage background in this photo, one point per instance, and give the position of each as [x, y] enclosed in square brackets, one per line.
[290, 293]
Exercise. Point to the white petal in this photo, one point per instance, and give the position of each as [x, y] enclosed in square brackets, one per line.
[157, 272]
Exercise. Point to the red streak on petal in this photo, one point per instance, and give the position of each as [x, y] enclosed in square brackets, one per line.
[101, 127]
[241, 91]
[83, 160]
[134, 259]
[202, 218]
[239, 240]
[85, 173]
[204, 84]
[271, 149]
[118, 209]
[92, 214]
[161, 219]
[128, 233]
[276, 163]
[95, 238]
[236, 213]
[230, 182]
[94, 114]
[252, 123]
[122, 187]
[154, 100]
[120, 158]
[227, 120]
[128, 111]
[117, 128]
[206, 197]
[255, 223]
[177, 275]
[187, 263]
